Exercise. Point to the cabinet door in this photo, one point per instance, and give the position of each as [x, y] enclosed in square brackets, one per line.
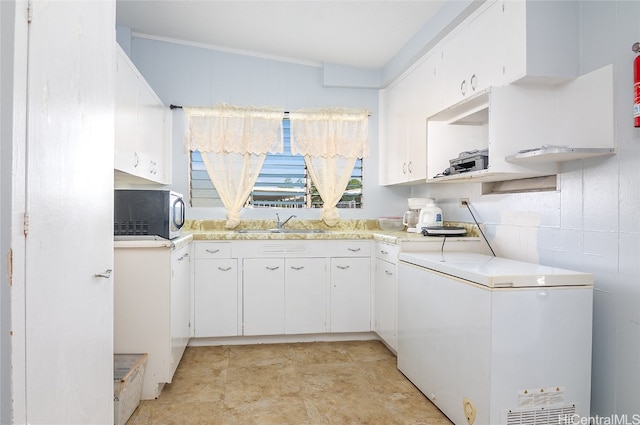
[216, 297]
[151, 138]
[180, 315]
[472, 57]
[424, 100]
[385, 302]
[126, 115]
[456, 68]
[305, 289]
[263, 296]
[393, 160]
[486, 49]
[350, 295]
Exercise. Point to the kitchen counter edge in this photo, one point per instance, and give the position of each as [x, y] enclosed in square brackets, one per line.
[391, 237]
[154, 242]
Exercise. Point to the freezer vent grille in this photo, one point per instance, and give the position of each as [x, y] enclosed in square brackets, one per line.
[562, 415]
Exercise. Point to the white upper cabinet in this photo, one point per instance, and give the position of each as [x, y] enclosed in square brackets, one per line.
[506, 42]
[472, 55]
[405, 107]
[506, 81]
[540, 41]
[142, 126]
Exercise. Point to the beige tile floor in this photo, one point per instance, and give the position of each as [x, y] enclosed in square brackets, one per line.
[317, 383]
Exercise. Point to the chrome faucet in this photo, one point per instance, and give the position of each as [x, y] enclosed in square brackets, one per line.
[281, 224]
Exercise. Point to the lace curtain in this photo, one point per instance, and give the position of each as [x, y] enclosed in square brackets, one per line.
[234, 142]
[331, 141]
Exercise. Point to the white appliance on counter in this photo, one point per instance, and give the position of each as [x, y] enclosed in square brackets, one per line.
[496, 341]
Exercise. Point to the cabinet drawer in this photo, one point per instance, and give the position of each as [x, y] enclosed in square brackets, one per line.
[213, 249]
[387, 252]
[353, 249]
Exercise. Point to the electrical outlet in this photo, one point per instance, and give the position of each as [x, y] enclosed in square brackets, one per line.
[463, 202]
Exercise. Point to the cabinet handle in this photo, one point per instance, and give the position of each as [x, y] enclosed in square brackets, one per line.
[342, 267]
[214, 251]
[354, 249]
[383, 252]
[474, 82]
[137, 159]
[409, 167]
[273, 268]
[224, 269]
[184, 257]
[388, 273]
[463, 87]
[106, 274]
[404, 168]
[297, 268]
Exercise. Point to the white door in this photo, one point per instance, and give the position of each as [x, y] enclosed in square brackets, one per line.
[69, 197]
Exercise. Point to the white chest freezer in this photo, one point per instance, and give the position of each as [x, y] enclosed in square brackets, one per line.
[496, 341]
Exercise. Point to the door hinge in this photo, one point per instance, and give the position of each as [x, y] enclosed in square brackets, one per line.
[25, 224]
[29, 12]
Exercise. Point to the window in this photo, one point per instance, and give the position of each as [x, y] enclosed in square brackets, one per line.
[283, 182]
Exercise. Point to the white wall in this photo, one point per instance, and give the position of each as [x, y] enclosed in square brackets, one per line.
[591, 223]
[198, 76]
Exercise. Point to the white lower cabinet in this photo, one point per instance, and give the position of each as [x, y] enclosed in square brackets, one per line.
[216, 289]
[385, 293]
[276, 287]
[284, 296]
[151, 309]
[351, 287]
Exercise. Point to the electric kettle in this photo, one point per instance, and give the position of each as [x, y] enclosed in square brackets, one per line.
[430, 215]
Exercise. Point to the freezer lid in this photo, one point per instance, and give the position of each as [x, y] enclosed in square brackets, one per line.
[496, 272]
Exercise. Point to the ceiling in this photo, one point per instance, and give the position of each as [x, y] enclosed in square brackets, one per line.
[359, 33]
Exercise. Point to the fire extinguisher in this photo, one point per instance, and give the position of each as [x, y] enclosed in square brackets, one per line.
[636, 85]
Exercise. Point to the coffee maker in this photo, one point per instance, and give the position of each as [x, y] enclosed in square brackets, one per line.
[411, 218]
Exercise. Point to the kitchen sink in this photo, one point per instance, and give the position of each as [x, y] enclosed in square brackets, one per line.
[281, 231]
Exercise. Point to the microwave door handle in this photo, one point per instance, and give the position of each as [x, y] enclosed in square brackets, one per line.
[182, 215]
[183, 211]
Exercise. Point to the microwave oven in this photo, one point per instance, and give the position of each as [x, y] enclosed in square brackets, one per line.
[140, 212]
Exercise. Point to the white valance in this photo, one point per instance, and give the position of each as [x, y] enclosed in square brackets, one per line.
[329, 132]
[234, 129]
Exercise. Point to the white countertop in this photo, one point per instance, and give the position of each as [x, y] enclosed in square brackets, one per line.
[150, 241]
[496, 272]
